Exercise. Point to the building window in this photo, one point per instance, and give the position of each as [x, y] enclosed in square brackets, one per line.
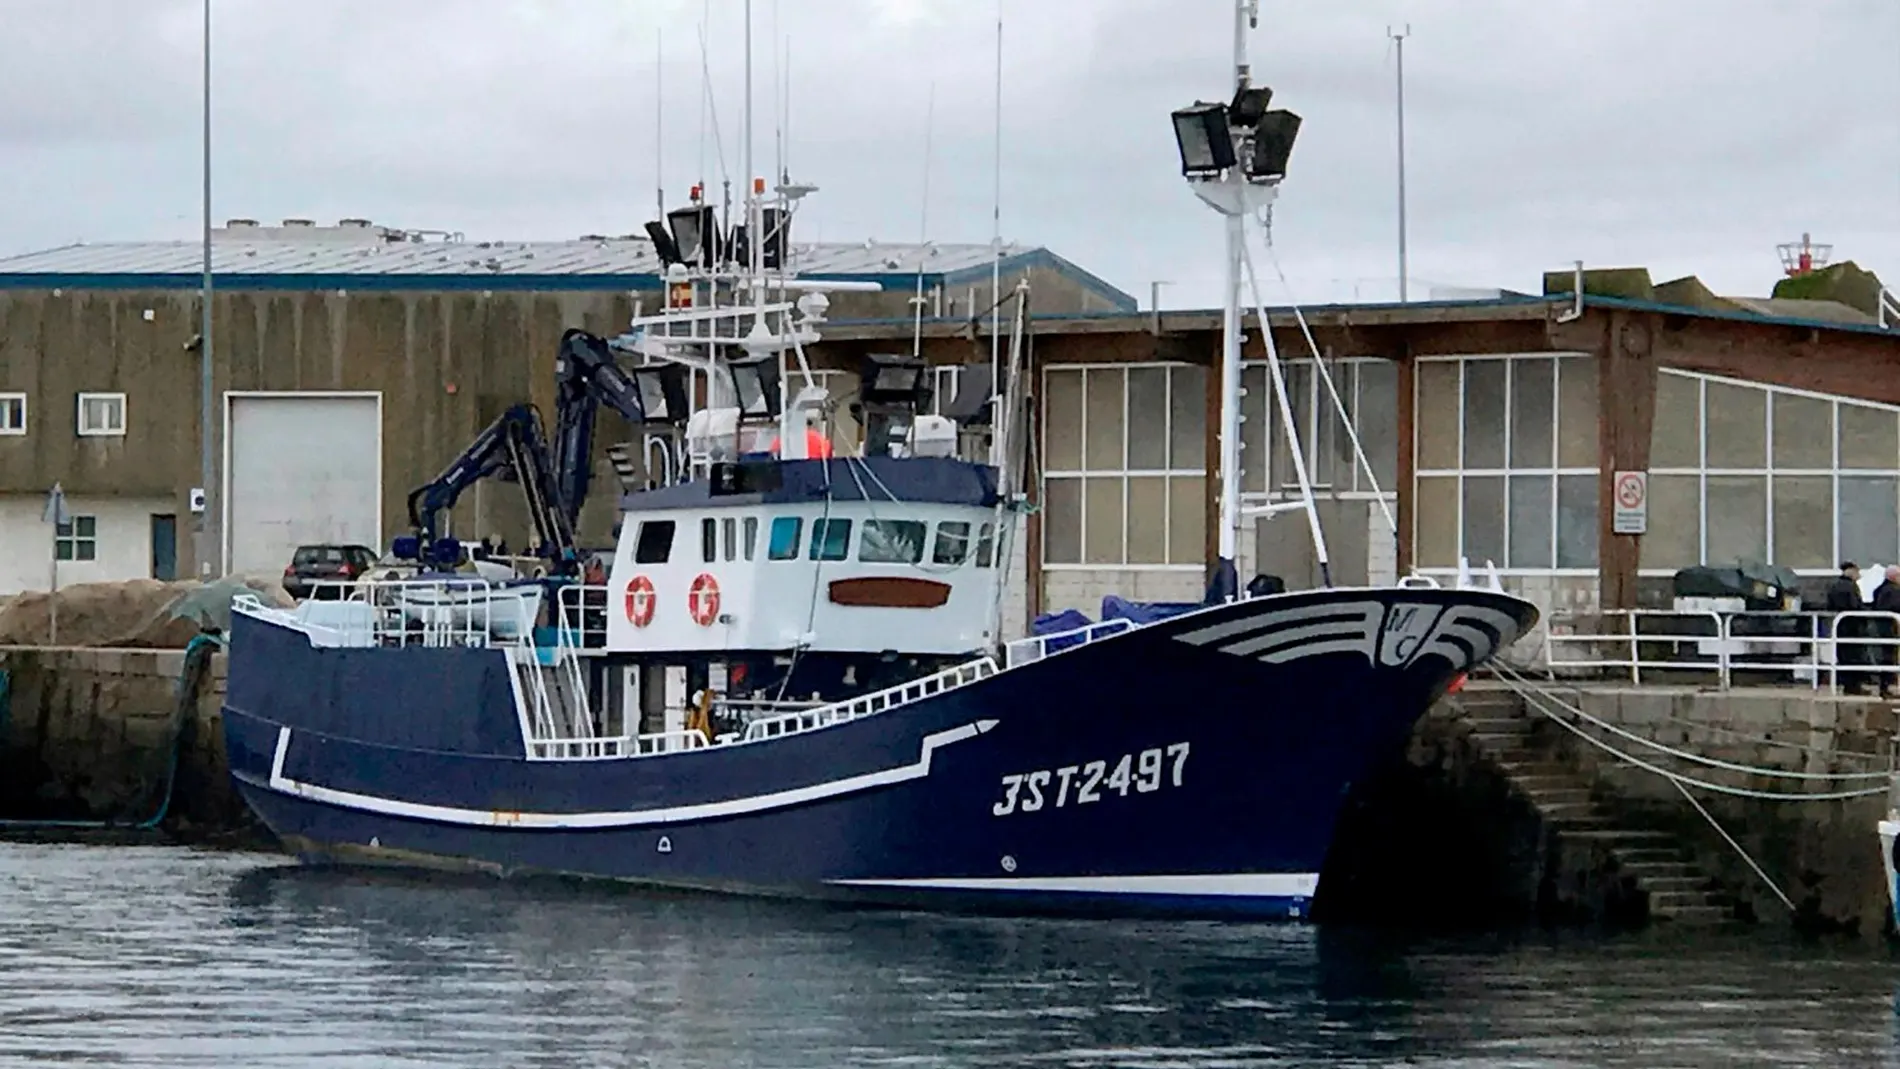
[12, 413]
[1506, 449]
[1368, 388]
[77, 540]
[102, 414]
[1742, 471]
[1124, 472]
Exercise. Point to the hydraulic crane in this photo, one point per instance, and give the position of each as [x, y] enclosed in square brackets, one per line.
[554, 479]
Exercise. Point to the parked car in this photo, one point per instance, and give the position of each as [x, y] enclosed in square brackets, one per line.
[316, 570]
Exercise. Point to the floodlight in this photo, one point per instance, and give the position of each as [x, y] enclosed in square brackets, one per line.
[757, 385]
[663, 244]
[696, 233]
[662, 392]
[1249, 105]
[1272, 143]
[1206, 143]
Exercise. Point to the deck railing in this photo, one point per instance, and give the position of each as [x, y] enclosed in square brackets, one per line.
[1728, 649]
[875, 702]
[1036, 647]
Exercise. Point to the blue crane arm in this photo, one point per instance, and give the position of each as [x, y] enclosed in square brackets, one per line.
[586, 377]
[512, 448]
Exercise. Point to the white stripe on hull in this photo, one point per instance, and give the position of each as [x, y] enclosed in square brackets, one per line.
[1234, 884]
[731, 807]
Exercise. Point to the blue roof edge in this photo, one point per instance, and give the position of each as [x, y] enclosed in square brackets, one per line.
[567, 283]
[1042, 257]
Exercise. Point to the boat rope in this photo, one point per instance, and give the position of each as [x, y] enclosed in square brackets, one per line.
[1537, 703]
[1739, 849]
[1715, 729]
[1523, 683]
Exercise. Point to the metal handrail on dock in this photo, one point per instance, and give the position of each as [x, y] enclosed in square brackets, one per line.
[1630, 642]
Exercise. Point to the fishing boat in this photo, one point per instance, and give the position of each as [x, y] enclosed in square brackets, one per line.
[794, 680]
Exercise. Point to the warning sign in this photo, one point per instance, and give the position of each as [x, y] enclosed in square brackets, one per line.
[1630, 503]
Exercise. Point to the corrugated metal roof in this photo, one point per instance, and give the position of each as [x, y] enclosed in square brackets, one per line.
[373, 256]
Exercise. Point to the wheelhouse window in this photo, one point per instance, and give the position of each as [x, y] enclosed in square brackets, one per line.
[729, 530]
[830, 539]
[655, 544]
[12, 413]
[785, 535]
[752, 536]
[709, 540]
[986, 547]
[893, 542]
[953, 543]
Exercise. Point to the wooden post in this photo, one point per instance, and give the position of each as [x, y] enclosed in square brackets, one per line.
[1626, 410]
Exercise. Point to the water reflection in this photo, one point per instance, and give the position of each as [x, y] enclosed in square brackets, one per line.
[162, 957]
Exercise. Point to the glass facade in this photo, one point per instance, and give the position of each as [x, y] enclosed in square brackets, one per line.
[1506, 463]
[1743, 471]
[1124, 479]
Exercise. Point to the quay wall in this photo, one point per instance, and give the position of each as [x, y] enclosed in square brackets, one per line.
[1824, 855]
[87, 735]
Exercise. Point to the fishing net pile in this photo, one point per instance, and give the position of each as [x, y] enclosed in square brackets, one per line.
[133, 614]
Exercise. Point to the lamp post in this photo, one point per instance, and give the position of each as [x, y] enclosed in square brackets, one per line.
[1234, 156]
[1398, 40]
[209, 560]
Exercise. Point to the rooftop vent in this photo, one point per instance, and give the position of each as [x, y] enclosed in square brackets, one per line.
[234, 224]
[299, 222]
[354, 224]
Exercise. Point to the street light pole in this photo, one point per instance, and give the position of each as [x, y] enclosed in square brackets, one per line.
[207, 471]
[1398, 40]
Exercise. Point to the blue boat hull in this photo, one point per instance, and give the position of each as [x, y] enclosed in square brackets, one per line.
[1196, 766]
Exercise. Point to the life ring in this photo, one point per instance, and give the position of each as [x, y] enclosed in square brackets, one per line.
[640, 601]
[702, 601]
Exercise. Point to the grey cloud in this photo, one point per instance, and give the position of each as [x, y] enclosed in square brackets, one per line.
[1689, 136]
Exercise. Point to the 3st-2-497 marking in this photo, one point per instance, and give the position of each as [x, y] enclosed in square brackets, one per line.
[1146, 772]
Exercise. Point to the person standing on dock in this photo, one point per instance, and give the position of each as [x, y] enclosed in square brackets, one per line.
[1887, 600]
[1843, 595]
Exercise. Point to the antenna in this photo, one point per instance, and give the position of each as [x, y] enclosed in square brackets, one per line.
[996, 245]
[923, 229]
[705, 90]
[659, 122]
[1398, 39]
[778, 99]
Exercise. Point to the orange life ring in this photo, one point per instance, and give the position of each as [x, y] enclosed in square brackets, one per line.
[640, 601]
[702, 601]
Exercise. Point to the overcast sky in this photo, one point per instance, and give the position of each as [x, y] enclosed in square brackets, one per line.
[1690, 136]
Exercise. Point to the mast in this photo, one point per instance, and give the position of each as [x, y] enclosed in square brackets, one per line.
[1227, 546]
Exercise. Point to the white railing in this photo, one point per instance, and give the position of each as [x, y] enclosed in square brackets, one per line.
[867, 704]
[1800, 647]
[607, 746]
[581, 613]
[1036, 647]
[411, 612]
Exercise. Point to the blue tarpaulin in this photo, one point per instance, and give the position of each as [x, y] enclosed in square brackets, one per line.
[1143, 612]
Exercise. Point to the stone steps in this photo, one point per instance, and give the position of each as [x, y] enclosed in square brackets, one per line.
[1656, 862]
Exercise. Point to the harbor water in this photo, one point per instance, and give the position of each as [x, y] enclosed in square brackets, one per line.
[153, 956]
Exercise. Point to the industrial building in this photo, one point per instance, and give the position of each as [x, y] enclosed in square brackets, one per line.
[353, 362]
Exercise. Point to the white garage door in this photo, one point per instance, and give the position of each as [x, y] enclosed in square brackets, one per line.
[301, 469]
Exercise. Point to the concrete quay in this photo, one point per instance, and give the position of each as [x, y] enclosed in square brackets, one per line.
[87, 736]
[1500, 813]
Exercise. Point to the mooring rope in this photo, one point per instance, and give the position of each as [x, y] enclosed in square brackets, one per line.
[1522, 683]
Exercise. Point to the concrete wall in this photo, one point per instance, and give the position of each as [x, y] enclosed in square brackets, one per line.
[85, 734]
[1825, 855]
[122, 541]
